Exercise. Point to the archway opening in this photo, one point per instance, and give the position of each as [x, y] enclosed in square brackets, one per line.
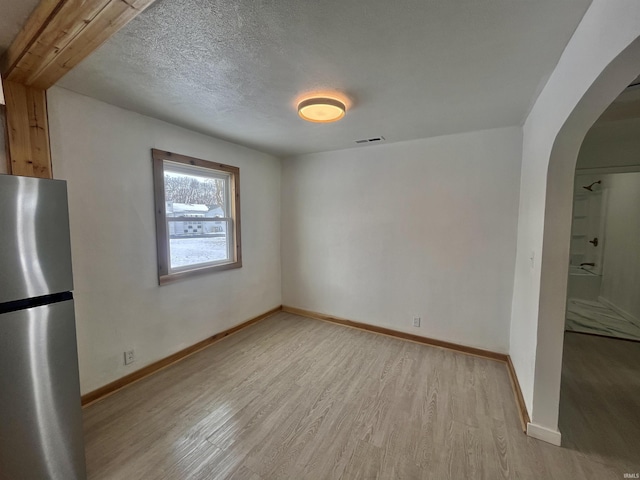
[612, 80]
[601, 350]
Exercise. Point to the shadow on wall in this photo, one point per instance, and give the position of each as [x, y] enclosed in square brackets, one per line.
[621, 256]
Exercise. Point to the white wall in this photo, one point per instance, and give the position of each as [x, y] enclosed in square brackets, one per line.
[104, 154]
[3, 145]
[611, 144]
[621, 276]
[422, 228]
[590, 74]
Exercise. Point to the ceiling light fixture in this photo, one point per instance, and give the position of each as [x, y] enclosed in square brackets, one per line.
[321, 109]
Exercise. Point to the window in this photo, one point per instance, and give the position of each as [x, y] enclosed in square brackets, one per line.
[197, 216]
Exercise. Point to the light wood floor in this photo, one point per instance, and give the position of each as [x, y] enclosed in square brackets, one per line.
[600, 400]
[294, 398]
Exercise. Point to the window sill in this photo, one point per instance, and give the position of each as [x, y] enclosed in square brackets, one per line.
[172, 277]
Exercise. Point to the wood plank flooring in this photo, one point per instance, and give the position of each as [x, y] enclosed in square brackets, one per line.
[296, 398]
[600, 400]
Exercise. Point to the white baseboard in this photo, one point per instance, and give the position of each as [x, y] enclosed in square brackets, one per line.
[623, 313]
[545, 434]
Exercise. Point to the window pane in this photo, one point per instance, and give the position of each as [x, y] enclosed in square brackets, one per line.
[196, 195]
[193, 250]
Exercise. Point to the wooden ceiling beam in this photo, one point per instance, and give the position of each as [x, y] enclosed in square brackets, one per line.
[58, 35]
[27, 131]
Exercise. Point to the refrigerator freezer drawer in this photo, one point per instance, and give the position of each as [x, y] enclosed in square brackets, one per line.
[41, 419]
[35, 259]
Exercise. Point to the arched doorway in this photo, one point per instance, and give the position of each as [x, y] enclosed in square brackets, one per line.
[557, 225]
[602, 58]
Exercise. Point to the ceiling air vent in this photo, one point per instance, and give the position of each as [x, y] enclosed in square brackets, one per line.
[379, 139]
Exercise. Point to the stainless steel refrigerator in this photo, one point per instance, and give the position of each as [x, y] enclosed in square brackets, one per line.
[40, 412]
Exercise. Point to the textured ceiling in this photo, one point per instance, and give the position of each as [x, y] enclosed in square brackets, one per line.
[13, 14]
[411, 68]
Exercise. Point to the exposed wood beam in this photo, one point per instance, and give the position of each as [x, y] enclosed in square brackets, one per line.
[27, 131]
[58, 35]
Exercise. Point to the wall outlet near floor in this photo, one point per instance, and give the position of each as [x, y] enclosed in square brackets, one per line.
[128, 357]
[416, 321]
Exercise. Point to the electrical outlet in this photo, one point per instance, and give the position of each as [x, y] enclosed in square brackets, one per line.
[416, 321]
[128, 357]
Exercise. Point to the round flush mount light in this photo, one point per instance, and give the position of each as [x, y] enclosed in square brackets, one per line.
[321, 109]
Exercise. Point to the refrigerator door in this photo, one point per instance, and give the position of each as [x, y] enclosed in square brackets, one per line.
[41, 416]
[35, 258]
